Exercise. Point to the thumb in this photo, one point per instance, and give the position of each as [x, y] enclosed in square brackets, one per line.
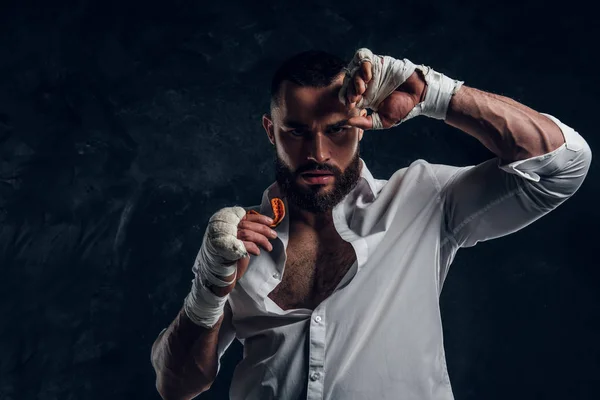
[361, 122]
[242, 266]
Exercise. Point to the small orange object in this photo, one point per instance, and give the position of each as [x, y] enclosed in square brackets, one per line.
[278, 211]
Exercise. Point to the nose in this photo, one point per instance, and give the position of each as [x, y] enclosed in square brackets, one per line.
[319, 149]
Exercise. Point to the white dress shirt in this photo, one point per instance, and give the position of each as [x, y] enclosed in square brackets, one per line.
[379, 334]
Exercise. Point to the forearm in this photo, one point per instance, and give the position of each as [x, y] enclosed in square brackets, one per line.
[507, 128]
[185, 358]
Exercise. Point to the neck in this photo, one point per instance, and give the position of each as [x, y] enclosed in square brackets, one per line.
[300, 218]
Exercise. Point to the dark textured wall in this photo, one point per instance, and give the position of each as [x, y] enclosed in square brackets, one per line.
[125, 125]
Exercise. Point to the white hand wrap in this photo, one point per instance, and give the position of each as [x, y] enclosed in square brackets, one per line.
[217, 258]
[388, 74]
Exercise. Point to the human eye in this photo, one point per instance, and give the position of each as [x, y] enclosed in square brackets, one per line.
[336, 130]
[296, 132]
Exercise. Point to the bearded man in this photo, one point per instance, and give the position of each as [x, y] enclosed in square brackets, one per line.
[340, 300]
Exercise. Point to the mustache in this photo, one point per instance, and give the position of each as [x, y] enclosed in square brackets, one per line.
[317, 167]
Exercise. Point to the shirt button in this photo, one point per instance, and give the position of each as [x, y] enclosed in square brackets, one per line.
[318, 318]
[276, 275]
[315, 376]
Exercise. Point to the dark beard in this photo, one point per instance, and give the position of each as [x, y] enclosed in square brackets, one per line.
[308, 198]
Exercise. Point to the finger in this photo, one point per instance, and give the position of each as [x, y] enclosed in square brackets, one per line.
[242, 266]
[356, 99]
[259, 228]
[365, 122]
[343, 93]
[228, 247]
[259, 218]
[350, 93]
[218, 228]
[359, 86]
[255, 237]
[366, 71]
[251, 248]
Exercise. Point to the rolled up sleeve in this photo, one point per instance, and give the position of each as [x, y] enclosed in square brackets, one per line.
[491, 200]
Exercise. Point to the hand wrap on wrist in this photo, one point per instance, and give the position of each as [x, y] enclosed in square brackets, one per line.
[388, 74]
[217, 258]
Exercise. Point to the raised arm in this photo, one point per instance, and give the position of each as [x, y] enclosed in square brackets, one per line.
[541, 161]
[506, 127]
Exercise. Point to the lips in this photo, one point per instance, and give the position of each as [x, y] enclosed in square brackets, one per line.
[317, 177]
[316, 173]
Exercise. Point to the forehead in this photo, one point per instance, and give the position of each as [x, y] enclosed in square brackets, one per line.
[302, 103]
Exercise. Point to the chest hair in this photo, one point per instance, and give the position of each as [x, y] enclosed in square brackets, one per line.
[313, 270]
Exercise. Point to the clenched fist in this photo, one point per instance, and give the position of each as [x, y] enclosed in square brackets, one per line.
[230, 236]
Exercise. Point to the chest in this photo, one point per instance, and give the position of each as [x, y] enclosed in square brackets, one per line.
[313, 270]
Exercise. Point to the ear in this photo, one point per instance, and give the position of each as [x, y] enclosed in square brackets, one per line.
[268, 125]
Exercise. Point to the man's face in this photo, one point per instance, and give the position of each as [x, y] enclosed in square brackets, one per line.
[316, 151]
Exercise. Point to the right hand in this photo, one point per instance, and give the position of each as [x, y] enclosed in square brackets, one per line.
[390, 87]
[253, 231]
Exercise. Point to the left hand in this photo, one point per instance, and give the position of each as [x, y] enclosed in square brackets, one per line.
[393, 108]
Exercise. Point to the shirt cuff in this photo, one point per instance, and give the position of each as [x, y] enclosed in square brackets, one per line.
[532, 168]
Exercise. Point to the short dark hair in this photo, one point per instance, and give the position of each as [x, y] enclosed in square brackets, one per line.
[312, 68]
